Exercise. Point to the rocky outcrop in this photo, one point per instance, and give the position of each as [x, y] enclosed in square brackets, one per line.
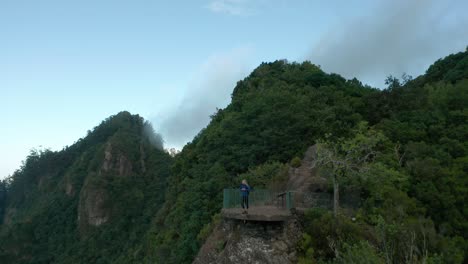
[310, 189]
[305, 178]
[68, 186]
[125, 166]
[94, 206]
[115, 162]
[69, 190]
[234, 241]
[106, 164]
[92, 209]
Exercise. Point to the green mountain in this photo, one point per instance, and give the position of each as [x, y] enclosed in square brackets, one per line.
[116, 197]
[282, 108]
[92, 202]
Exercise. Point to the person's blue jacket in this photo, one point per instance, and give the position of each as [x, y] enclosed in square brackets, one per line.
[245, 189]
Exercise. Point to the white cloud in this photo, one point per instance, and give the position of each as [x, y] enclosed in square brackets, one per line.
[396, 37]
[211, 88]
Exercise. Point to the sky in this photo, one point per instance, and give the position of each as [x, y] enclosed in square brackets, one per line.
[67, 65]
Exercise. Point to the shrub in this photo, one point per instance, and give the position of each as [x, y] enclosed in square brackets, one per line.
[296, 162]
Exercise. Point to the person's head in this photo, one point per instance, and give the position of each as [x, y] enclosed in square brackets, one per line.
[244, 181]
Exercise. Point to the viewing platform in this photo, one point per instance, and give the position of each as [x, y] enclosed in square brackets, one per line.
[258, 213]
[264, 205]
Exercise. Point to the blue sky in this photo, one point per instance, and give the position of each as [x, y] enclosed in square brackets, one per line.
[67, 65]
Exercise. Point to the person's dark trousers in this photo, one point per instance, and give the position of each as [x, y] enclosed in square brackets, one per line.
[245, 202]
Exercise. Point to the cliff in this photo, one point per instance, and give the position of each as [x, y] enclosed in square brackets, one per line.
[235, 241]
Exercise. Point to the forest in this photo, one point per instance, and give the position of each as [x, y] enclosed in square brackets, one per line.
[157, 208]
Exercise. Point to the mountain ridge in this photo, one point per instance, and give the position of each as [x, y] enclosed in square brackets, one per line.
[116, 197]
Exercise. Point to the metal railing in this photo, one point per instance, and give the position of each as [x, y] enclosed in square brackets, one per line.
[290, 199]
[259, 197]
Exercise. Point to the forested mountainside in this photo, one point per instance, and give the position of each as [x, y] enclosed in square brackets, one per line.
[416, 185]
[114, 198]
[92, 202]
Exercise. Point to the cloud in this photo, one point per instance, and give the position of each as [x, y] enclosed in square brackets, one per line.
[210, 89]
[397, 37]
[231, 7]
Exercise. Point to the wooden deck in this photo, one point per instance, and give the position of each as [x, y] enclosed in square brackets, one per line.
[258, 213]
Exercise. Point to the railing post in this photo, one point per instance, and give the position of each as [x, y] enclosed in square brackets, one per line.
[225, 198]
[289, 201]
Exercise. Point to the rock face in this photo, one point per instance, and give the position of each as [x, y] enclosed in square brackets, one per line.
[234, 241]
[310, 189]
[116, 162]
[69, 190]
[92, 208]
[305, 178]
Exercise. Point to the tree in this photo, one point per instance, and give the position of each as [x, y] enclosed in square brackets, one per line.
[392, 82]
[406, 78]
[345, 158]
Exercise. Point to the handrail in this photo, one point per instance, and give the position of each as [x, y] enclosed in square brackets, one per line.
[258, 197]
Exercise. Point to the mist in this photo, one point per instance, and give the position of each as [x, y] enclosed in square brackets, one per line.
[155, 139]
[394, 38]
[397, 37]
[210, 89]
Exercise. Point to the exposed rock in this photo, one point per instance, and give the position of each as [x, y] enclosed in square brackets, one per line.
[116, 162]
[234, 241]
[310, 189]
[293, 257]
[68, 186]
[106, 164]
[252, 250]
[69, 190]
[280, 246]
[92, 208]
[305, 178]
[125, 166]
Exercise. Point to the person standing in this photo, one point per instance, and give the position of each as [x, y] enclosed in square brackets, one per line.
[245, 189]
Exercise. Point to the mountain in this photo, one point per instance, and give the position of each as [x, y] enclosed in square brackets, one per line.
[275, 114]
[92, 202]
[116, 197]
[418, 181]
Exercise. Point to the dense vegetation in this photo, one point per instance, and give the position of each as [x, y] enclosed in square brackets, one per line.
[43, 224]
[413, 183]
